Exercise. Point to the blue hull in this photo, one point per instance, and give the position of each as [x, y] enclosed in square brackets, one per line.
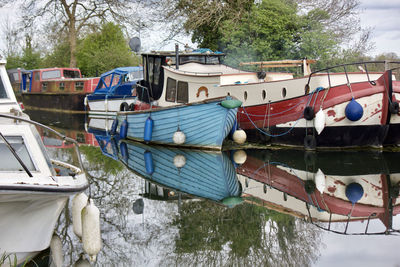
[209, 175]
[205, 124]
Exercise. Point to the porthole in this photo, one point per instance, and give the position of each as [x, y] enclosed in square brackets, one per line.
[283, 92]
[245, 95]
[229, 94]
[264, 94]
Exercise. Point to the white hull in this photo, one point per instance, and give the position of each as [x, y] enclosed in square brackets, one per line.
[108, 107]
[27, 222]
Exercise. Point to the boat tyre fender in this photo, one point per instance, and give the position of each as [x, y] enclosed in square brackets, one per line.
[124, 107]
[132, 107]
[310, 142]
[394, 107]
[309, 186]
[309, 113]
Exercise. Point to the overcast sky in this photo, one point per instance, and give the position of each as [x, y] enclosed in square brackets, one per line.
[383, 16]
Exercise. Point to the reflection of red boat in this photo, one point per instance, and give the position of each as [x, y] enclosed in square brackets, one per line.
[81, 137]
[280, 187]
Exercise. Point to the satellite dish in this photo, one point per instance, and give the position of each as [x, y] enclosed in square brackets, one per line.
[134, 44]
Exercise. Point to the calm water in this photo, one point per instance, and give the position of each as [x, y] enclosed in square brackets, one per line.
[196, 208]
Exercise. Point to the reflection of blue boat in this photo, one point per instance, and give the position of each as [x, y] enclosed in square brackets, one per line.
[107, 143]
[115, 91]
[202, 124]
[209, 175]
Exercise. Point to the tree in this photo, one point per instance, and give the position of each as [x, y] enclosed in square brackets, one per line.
[104, 50]
[72, 18]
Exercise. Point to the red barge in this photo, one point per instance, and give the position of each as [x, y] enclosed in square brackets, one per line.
[53, 89]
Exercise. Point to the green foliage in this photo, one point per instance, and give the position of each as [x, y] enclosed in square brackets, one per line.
[98, 160]
[59, 56]
[104, 50]
[266, 33]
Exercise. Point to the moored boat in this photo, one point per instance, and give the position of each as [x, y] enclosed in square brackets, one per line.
[54, 89]
[278, 108]
[114, 92]
[202, 124]
[33, 187]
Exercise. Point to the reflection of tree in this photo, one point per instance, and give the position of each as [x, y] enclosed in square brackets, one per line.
[243, 235]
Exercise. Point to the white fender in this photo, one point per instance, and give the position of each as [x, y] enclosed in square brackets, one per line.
[78, 203]
[240, 156]
[91, 236]
[179, 161]
[320, 181]
[319, 121]
[179, 137]
[239, 136]
[56, 251]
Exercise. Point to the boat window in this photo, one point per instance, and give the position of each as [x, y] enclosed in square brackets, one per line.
[135, 75]
[51, 74]
[151, 66]
[71, 74]
[9, 162]
[79, 86]
[157, 69]
[37, 76]
[170, 93]
[107, 80]
[182, 96]
[116, 79]
[16, 76]
[3, 93]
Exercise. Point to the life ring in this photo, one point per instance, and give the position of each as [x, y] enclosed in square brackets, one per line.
[309, 113]
[202, 88]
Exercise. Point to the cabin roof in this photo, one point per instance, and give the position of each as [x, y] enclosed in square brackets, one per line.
[122, 70]
[198, 68]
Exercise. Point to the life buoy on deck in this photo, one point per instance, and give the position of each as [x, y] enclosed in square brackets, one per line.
[202, 88]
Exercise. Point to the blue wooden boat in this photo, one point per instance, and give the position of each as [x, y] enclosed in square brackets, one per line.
[202, 124]
[199, 173]
[115, 91]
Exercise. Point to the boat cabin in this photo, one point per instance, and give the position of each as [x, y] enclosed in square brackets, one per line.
[118, 82]
[56, 80]
[152, 85]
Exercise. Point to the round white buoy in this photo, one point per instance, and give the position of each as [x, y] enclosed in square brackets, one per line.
[239, 136]
[320, 181]
[179, 160]
[56, 251]
[179, 137]
[240, 156]
[319, 121]
[91, 236]
[78, 203]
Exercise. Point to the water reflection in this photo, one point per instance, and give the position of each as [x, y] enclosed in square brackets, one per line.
[326, 186]
[157, 213]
